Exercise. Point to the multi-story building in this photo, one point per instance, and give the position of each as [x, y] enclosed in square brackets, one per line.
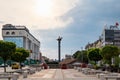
[96, 44]
[110, 36]
[21, 36]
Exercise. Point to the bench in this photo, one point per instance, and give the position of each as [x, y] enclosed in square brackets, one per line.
[9, 76]
[5, 76]
[31, 71]
[112, 77]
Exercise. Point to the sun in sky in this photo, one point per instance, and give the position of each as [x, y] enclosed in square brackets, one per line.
[43, 8]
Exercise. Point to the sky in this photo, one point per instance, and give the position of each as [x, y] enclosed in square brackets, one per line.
[76, 21]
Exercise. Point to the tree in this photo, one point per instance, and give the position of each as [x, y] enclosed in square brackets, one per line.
[82, 56]
[94, 54]
[76, 54]
[117, 61]
[109, 52]
[20, 55]
[6, 50]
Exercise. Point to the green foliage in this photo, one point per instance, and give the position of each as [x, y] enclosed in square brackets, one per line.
[108, 52]
[53, 62]
[76, 54]
[81, 56]
[117, 61]
[1, 60]
[20, 55]
[94, 54]
[92, 62]
[6, 50]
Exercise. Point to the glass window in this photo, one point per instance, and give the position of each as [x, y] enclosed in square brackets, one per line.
[17, 40]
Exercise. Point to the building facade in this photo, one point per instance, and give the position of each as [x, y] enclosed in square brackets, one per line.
[109, 36]
[21, 36]
[96, 44]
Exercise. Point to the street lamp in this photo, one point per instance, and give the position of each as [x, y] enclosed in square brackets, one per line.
[82, 53]
[59, 48]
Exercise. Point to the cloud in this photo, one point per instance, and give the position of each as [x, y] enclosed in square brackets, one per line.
[52, 54]
[1, 22]
[23, 13]
[85, 19]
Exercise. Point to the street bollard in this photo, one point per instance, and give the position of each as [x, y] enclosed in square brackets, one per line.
[48, 67]
[43, 68]
[75, 67]
[15, 76]
[40, 68]
[25, 74]
[78, 69]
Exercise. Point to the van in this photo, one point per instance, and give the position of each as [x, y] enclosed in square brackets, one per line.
[15, 65]
[64, 66]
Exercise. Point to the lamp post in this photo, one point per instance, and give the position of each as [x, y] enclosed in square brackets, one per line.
[59, 48]
[82, 53]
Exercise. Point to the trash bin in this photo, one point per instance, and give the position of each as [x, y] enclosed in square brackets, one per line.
[25, 74]
[40, 68]
[15, 76]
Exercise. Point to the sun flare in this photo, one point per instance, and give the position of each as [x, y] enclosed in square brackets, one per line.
[43, 7]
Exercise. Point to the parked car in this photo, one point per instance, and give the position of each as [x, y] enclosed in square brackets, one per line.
[64, 66]
[83, 65]
[15, 65]
[22, 65]
[2, 65]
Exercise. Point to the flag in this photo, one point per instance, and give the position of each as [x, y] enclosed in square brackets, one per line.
[117, 24]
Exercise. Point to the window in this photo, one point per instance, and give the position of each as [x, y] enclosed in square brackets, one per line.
[17, 40]
[7, 33]
[13, 33]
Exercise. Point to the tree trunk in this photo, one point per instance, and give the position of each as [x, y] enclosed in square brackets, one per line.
[20, 66]
[4, 66]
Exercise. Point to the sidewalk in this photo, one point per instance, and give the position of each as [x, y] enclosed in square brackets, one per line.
[59, 74]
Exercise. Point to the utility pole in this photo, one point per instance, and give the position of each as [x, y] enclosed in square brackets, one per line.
[59, 48]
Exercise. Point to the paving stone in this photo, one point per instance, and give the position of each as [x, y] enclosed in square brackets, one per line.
[59, 74]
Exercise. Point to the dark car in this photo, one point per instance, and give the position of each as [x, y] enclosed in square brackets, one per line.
[22, 65]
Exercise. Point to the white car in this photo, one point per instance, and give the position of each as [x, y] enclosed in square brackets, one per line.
[2, 65]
